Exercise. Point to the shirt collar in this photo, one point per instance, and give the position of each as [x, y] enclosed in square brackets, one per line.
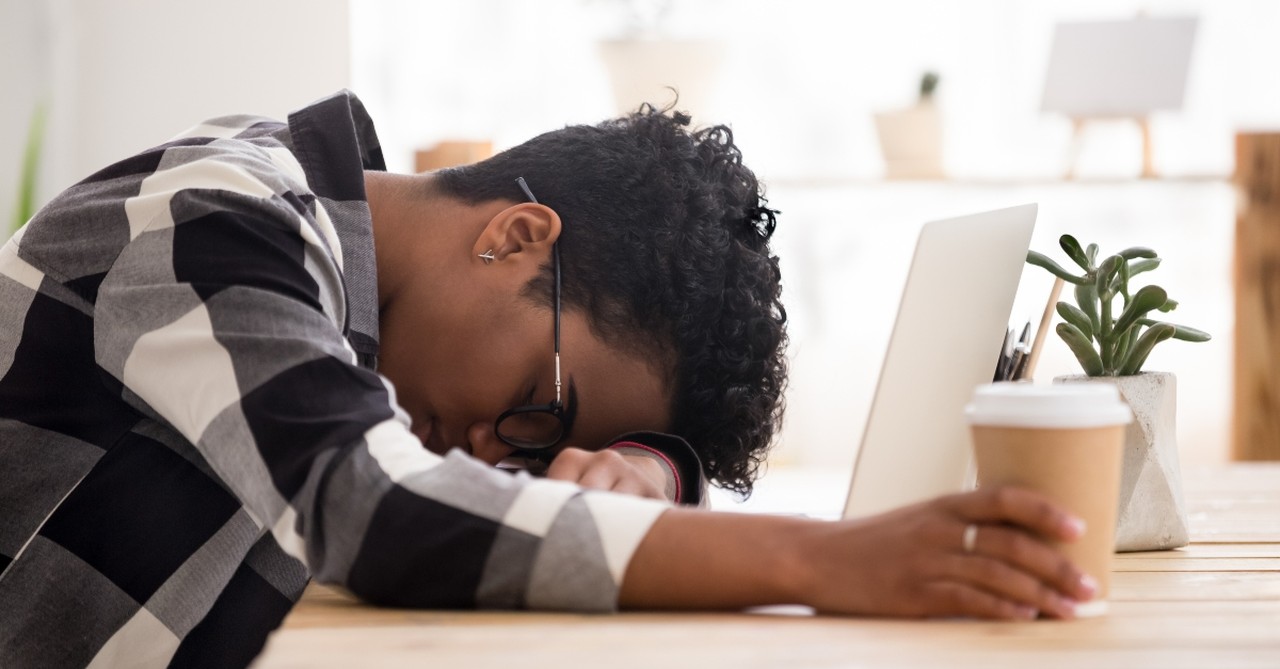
[335, 142]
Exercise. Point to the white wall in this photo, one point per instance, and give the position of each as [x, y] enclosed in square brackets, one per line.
[24, 71]
[800, 82]
[845, 250]
[801, 78]
[122, 75]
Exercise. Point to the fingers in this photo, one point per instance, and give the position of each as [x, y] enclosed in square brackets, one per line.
[1020, 507]
[605, 470]
[571, 464]
[924, 560]
[1011, 555]
[1018, 590]
[960, 599]
[1040, 563]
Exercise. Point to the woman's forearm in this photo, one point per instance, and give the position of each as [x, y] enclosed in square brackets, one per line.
[694, 559]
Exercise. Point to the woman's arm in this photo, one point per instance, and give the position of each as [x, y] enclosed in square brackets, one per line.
[909, 562]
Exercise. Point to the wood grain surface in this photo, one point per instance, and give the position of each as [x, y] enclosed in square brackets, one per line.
[1215, 603]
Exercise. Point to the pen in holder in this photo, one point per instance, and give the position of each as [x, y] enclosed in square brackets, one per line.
[1018, 358]
[1013, 355]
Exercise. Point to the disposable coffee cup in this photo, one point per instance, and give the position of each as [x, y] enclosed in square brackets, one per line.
[1066, 442]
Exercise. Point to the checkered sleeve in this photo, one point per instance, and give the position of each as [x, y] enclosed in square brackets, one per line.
[224, 316]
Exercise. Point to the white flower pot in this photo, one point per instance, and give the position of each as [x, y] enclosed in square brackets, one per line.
[911, 142]
[1152, 514]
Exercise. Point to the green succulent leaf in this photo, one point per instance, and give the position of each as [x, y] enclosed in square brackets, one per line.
[1121, 283]
[1073, 250]
[1145, 300]
[1090, 362]
[1137, 252]
[1130, 340]
[1181, 332]
[1087, 298]
[1074, 316]
[1169, 305]
[1041, 260]
[1139, 266]
[1142, 348]
[1091, 252]
[1106, 273]
[1123, 346]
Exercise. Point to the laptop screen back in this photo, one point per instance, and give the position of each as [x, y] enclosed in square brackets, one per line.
[946, 339]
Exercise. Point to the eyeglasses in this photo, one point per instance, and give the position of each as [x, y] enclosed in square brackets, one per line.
[537, 427]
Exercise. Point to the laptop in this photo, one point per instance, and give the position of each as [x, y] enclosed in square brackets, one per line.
[946, 340]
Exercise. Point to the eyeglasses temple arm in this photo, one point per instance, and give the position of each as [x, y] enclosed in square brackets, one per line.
[555, 249]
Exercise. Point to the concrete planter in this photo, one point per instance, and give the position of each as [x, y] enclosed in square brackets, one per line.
[1152, 514]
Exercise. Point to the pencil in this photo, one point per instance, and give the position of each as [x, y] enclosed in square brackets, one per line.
[1045, 320]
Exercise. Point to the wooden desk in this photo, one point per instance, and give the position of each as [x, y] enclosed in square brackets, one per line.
[1215, 603]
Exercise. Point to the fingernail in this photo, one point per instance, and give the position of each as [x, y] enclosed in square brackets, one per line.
[1075, 527]
[1066, 607]
[1089, 584]
[1028, 612]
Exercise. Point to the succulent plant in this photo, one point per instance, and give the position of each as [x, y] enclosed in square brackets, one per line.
[1107, 344]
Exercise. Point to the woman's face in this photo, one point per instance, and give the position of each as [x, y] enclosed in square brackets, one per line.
[488, 350]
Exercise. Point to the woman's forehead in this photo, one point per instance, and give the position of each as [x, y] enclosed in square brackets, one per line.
[616, 391]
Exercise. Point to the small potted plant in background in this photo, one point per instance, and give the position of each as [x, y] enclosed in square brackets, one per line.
[647, 62]
[911, 138]
[1111, 331]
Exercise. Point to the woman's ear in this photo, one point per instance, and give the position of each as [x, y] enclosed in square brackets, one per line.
[526, 228]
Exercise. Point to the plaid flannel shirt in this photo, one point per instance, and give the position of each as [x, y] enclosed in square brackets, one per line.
[191, 426]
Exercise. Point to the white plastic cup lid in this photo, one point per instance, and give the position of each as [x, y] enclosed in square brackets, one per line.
[1061, 405]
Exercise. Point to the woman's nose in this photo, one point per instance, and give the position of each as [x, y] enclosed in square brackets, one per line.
[485, 445]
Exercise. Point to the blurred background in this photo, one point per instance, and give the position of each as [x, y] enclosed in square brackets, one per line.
[815, 91]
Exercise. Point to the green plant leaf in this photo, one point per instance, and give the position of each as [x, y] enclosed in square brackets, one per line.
[1106, 333]
[1041, 260]
[1091, 252]
[928, 84]
[1072, 247]
[1169, 305]
[1130, 340]
[1139, 266]
[1142, 348]
[1074, 316]
[1181, 332]
[1136, 252]
[1144, 301]
[26, 207]
[1124, 344]
[1087, 299]
[1121, 283]
[1090, 362]
[1106, 273]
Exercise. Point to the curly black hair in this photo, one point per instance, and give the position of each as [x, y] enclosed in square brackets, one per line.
[665, 248]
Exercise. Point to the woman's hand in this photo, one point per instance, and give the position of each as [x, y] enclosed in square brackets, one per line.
[609, 470]
[912, 562]
[916, 561]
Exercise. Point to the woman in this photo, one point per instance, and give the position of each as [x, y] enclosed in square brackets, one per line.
[225, 356]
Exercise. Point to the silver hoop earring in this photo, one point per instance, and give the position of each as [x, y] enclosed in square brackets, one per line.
[487, 256]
